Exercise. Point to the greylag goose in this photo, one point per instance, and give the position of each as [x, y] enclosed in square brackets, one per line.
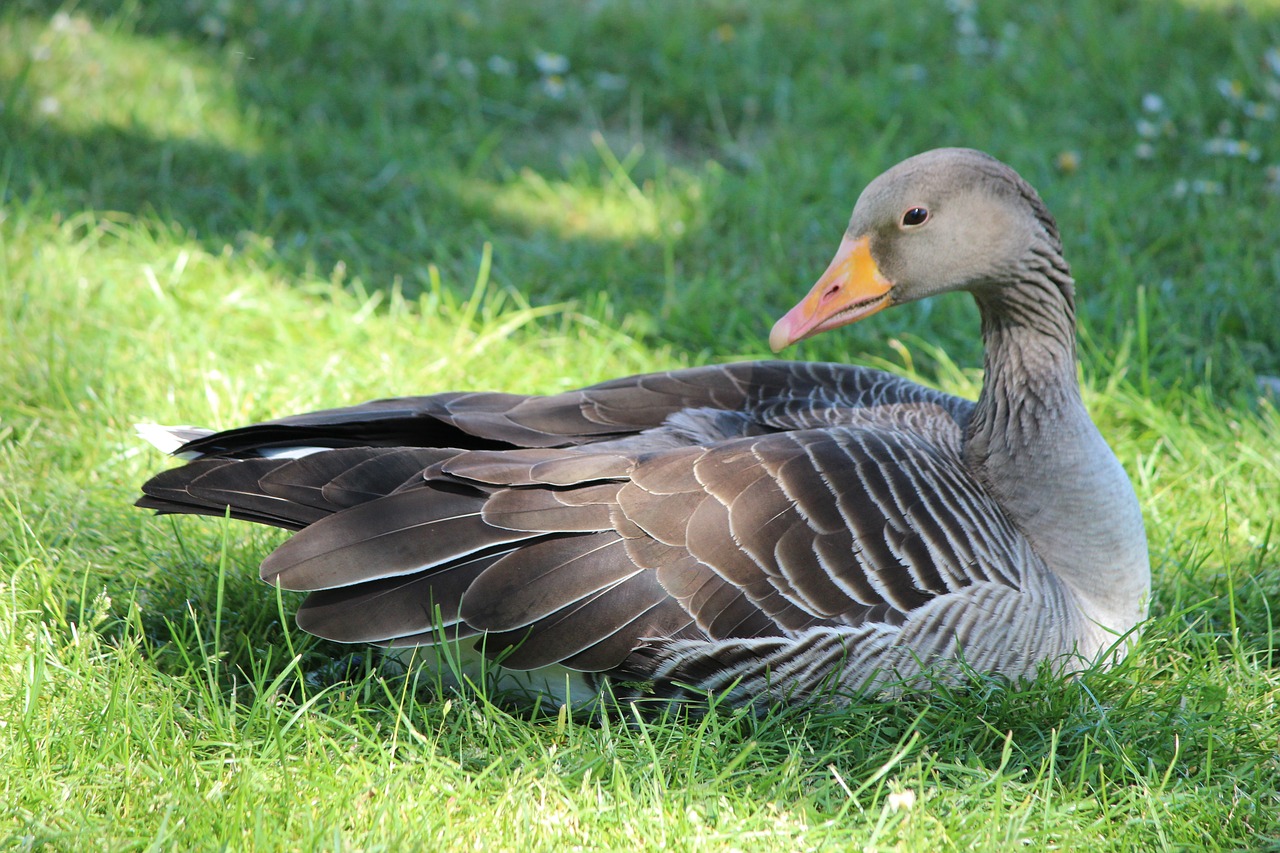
[770, 529]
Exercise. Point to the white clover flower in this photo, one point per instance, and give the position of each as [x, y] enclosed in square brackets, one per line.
[500, 65]
[1259, 111]
[1273, 178]
[553, 87]
[1218, 145]
[1144, 151]
[1232, 148]
[76, 25]
[213, 26]
[550, 64]
[606, 82]
[48, 106]
[1152, 103]
[903, 800]
[1232, 90]
[1183, 188]
[466, 69]
[1272, 58]
[1147, 129]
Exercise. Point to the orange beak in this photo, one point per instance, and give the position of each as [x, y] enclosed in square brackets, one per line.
[850, 289]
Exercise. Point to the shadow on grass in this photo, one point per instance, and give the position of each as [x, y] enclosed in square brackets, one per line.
[314, 211]
[381, 156]
[393, 139]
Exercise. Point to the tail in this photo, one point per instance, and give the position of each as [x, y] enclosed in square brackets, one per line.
[291, 490]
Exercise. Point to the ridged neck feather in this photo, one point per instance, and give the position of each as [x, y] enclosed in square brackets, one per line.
[1028, 331]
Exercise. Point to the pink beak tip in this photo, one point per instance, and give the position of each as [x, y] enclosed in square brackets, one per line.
[780, 336]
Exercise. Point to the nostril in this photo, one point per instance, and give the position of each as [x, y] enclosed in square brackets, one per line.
[830, 292]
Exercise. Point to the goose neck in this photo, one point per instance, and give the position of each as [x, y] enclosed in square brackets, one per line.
[1030, 390]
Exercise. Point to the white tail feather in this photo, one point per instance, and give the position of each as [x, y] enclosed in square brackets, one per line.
[169, 438]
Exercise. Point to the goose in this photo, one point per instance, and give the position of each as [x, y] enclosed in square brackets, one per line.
[770, 530]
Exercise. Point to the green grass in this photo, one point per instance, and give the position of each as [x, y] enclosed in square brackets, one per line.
[217, 212]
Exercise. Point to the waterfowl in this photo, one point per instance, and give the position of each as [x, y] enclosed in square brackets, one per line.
[773, 529]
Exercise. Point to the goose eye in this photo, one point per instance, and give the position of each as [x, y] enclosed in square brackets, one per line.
[915, 216]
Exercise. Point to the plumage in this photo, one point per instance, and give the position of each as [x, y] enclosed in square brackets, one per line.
[773, 528]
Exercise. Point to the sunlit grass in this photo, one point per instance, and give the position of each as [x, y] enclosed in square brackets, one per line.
[215, 213]
[616, 207]
[79, 75]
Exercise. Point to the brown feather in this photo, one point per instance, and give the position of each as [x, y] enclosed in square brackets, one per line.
[543, 577]
[402, 533]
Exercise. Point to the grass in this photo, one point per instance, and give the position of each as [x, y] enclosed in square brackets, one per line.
[217, 212]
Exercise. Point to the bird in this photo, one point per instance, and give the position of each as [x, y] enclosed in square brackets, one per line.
[765, 531]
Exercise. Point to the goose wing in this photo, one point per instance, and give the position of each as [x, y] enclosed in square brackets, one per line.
[708, 503]
[714, 401]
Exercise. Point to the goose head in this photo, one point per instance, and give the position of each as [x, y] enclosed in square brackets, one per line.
[947, 219]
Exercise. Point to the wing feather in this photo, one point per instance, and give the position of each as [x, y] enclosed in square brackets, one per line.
[740, 501]
[544, 577]
[403, 533]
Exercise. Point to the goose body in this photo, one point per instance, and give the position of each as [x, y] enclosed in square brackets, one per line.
[777, 529]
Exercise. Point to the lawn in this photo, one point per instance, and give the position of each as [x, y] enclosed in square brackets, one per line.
[219, 211]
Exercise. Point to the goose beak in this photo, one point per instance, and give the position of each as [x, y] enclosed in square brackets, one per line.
[850, 289]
